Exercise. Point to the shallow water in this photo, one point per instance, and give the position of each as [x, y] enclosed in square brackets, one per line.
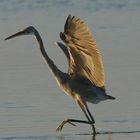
[31, 104]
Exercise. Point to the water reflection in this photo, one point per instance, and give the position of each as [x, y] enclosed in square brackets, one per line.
[55, 138]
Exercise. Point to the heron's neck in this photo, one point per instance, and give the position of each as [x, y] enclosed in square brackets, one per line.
[59, 75]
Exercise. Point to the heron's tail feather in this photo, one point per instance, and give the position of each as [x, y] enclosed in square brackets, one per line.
[111, 97]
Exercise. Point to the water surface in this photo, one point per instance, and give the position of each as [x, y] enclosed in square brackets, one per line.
[31, 104]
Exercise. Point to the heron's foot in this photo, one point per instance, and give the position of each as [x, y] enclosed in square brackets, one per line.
[60, 127]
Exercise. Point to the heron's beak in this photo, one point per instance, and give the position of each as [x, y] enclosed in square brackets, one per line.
[16, 34]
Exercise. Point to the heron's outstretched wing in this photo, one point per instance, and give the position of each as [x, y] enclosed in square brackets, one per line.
[82, 46]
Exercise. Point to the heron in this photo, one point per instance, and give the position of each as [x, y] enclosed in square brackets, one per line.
[85, 79]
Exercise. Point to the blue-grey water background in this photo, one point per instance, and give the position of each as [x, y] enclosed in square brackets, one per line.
[31, 104]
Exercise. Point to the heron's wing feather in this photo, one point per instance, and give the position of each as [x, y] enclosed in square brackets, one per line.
[87, 58]
[69, 57]
[64, 49]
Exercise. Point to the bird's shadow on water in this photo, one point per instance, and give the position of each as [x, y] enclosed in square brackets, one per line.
[110, 133]
[63, 137]
[118, 132]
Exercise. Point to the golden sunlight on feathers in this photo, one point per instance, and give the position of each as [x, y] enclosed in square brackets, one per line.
[82, 46]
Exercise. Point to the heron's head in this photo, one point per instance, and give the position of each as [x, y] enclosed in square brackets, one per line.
[27, 31]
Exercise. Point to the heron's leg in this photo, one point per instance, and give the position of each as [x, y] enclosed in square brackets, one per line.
[83, 106]
[91, 120]
[86, 106]
[70, 121]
